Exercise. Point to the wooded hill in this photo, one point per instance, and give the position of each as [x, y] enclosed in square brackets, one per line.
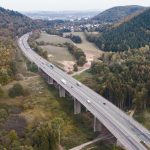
[132, 34]
[13, 24]
[18, 23]
[116, 14]
[123, 78]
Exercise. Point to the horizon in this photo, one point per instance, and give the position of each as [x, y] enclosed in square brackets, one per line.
[66, 5]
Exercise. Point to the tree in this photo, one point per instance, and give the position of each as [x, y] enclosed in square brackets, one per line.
[3, 113]
[81, 61]
[16, 90]
[56, 125]
[13, 67]
[4, 77]
[45, 54]
[33, 67]
[41, 137]
[77, 53]
[74, 38]
[75, 67]
[1, 92]
[13, 136]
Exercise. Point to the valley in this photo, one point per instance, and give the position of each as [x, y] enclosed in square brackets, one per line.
[59, 55]
[45, 100]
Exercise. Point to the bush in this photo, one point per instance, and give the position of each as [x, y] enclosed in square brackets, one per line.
[32, 67]
[16, 90]
[77, 53]
[81, 61]
[74, 38]
[17, 123]
[1, 92]
[3, 113]
[75, 67]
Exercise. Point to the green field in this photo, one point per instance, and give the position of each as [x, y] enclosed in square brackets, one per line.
[58, 53]
[86, 46]
[53, 39]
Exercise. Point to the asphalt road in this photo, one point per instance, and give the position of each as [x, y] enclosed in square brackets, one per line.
[128, 131]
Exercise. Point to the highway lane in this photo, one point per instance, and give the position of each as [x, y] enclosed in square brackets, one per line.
[96, 105]
[90, 93]
[133, 126]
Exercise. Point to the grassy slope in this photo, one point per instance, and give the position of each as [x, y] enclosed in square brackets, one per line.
[53, 39]
[43, 104]
[58, 53]
[86, 46]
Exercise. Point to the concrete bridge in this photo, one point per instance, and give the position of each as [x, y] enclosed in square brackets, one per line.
[125, 129]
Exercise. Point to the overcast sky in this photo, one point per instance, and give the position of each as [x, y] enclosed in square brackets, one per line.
[60, 5]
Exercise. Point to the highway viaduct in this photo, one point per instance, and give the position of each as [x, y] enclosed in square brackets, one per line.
[125, 129]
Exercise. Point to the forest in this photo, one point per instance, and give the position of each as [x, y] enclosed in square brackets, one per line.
[13, 25]
[129, 35]
[115, 14]
[123, 78]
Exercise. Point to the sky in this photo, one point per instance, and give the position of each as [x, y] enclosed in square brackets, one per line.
[61, 5]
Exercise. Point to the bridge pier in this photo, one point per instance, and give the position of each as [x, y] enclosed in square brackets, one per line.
[119, 144]
[77, 107]
[97, 125]
[62, 92]
[50, 80]
[39, 69]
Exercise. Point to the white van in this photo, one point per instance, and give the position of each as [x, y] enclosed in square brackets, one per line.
[78, 83]
[64, 81]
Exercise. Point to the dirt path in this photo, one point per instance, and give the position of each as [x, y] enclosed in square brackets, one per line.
[102, 137]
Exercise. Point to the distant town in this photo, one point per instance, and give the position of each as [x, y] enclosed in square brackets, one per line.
[62, 15]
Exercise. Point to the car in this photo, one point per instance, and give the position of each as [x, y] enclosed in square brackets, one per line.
[145, 144]
[64, 81]
[78, 83]
[51, 66]
[89, 101]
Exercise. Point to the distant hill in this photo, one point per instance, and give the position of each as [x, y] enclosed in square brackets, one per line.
[116, 14]
[15, 22]
[18, 23]
[129, 35]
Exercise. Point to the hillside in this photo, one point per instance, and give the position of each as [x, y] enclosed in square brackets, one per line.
[116, 14]
[18, 23]
[132, 34]
[13, 24]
